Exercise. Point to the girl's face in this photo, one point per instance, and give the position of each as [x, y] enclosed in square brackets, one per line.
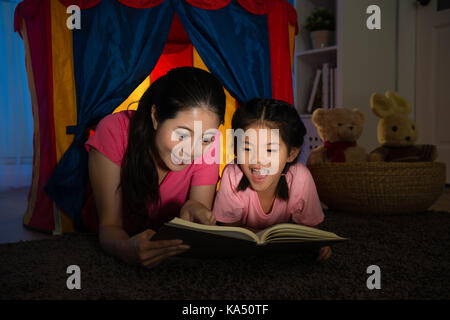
[186, 137]
[265, 155]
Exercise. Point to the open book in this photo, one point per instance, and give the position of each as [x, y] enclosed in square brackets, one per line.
[208, 240]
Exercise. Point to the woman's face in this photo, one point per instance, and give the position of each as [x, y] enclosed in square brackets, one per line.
[186, 137]
[265, 155]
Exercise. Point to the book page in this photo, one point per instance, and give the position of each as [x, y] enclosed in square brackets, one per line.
[233, 232]
[290, 231]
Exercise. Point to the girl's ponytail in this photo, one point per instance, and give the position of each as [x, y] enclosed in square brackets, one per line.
[282, 187]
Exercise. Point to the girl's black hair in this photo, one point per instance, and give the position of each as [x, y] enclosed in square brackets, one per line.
[180, 89]
[280, 115]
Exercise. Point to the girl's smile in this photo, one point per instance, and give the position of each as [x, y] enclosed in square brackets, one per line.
[259, 174]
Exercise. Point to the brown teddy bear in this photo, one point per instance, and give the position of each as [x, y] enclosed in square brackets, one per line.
[397, 133]
[339, 128]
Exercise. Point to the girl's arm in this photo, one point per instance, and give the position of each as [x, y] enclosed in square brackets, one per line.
[228, 207]
[105, 179]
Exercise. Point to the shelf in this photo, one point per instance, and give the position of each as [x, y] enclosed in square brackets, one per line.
[308, 60]
[316, 57]
[321, 51]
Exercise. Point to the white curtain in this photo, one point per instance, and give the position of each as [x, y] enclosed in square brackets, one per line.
[16, 121]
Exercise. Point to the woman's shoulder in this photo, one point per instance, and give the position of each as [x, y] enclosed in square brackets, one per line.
[110, 136]
[114, 125]
[118, 118]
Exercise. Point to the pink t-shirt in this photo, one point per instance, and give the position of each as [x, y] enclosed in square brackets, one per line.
[111, 138]
[303, 206]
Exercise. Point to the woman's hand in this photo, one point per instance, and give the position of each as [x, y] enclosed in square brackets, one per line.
[141, 250]
[324, 253]
[197, 212]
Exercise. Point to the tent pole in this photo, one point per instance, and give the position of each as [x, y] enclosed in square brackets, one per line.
[57, 231]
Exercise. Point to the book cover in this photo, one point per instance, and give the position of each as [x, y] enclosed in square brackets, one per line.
[318, 98]
[335, 87]
[312, 97]
[332, 71]
[325, 86]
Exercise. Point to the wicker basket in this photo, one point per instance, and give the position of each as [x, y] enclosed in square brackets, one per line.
[379, 187]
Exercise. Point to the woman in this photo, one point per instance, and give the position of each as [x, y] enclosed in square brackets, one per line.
[141, 165]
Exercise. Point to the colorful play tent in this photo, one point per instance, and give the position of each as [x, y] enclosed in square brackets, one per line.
[78, 76]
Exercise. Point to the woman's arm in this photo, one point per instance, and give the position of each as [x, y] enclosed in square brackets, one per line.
[203, 194]
[105, 179]
[199, 204]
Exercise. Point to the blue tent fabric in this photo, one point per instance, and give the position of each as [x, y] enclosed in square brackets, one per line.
[118, 47]
[114, 51]
[234, 44]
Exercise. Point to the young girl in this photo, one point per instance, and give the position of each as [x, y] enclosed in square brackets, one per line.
[267, 186]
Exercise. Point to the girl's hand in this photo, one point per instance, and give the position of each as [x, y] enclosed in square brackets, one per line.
[324, 253]
[197, 212]
[141, 250]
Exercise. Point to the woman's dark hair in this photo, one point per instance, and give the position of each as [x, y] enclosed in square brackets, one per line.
[278, 115]
[180, 89]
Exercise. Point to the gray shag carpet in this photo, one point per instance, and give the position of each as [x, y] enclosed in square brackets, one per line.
[412, 251]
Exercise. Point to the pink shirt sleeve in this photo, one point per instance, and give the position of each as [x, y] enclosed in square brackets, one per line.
[110, 137]
[205, 174]
[304, 203]
[228, 207]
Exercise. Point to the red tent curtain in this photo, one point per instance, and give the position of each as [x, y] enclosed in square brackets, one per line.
[253, 6]
[32, 17]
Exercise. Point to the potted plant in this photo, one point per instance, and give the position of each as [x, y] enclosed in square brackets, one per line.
[320, 24]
